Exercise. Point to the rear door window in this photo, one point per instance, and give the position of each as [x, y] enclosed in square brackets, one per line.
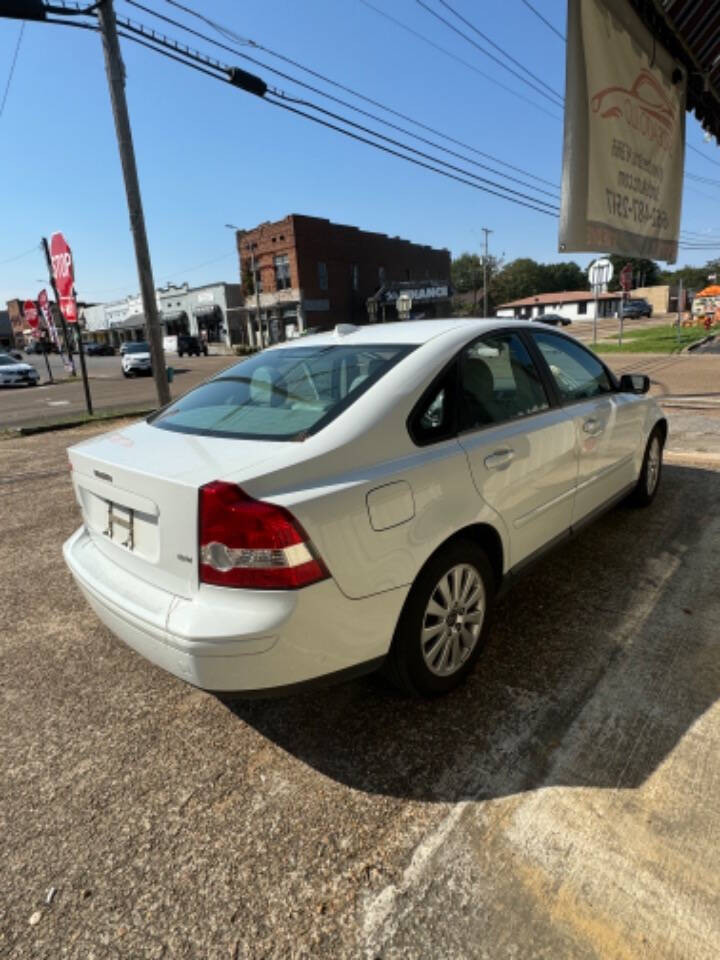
[281, 394]
[498, 382]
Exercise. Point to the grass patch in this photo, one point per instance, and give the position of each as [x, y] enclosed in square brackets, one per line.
[661, 339]
[74, 420]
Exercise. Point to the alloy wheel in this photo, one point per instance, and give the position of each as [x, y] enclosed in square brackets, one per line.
[453, 620]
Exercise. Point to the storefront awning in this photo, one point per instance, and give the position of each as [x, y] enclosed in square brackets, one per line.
[129, 323]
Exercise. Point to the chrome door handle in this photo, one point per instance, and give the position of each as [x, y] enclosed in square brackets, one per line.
[593, 427]
[499, 459]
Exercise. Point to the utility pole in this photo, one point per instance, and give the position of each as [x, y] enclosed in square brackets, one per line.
[485, 265]
[257, 300]
[116, 81]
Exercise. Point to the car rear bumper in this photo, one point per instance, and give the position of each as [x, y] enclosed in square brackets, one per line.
[239, 641]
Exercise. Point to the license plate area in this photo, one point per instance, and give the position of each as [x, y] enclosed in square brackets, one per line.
[120, 526]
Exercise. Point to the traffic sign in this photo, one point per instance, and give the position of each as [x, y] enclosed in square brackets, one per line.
[31, 314]
[62, 265]
[600, 272]
[403, 305]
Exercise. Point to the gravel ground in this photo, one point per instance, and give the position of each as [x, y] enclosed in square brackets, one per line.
[562, 804]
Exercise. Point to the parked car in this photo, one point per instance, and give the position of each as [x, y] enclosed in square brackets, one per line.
[40, 347]
[636, 308]
[354, 500]
[136, 358]
[554, 319]
[16, 355]
[14, 373]
[99, 349]
[186, 343]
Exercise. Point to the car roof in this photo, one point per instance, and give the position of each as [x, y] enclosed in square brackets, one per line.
[400, 331]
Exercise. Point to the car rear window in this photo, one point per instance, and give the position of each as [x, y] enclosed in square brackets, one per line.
[281, 394]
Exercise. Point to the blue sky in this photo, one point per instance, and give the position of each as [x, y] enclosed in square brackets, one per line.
[209, 154]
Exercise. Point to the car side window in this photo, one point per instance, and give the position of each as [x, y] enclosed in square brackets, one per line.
[434, 418]
[498, 382]
[578, 374]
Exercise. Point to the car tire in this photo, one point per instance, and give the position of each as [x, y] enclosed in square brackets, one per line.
[431, 654]
[649, 479]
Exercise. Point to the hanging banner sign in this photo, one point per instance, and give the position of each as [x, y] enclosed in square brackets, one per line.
[46, 312]
[68, 306]
[31, 314]
[624, 136]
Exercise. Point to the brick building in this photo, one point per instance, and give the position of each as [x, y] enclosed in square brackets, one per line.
[17, 322]
[314, 274]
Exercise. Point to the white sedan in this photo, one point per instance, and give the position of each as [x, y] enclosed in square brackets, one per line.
[354, 499]
[15, 373]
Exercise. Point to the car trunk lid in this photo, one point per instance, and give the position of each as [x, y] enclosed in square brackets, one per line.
[138, 492]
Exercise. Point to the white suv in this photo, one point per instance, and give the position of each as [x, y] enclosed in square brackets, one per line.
[136, 358]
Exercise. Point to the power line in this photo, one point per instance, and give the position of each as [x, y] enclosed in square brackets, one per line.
[420, 153]
[12, 68]
[699, 179]
[703, 155]
[348, 105]
[20, 255]
[454, 56]
[519, 76]
[372, 116]
[167, 47]
[497, 47]
[544, 20]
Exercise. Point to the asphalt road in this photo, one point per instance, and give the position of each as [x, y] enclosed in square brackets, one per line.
[109, 388]
[563, 804]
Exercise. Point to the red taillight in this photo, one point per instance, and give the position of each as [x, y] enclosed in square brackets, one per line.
[253, 544]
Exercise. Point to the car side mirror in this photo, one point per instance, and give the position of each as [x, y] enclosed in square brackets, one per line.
[634, 383]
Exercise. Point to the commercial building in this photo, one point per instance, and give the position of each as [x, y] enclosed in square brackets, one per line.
[6, 331]
[313, 274]
[211, 311]
[573, 304]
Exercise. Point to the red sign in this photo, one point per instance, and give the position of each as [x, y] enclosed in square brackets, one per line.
[68, 305]
[44, 305]
[31, 314]
[626, 277]
[62, 265]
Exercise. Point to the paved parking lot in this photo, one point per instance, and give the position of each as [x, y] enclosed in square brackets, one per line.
[563, 804]
[109, 388]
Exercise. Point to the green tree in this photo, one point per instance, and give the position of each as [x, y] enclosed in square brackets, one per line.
[466, 273]
[519, 278]
[646, 273]
[693, 278]
[566, 275]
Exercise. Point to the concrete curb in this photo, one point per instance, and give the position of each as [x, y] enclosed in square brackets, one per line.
[692, 458]
[699, 343]
[29, 431]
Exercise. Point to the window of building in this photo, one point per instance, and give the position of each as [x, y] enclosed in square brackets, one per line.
[582, 306]
[282, 272]
[322, 275]
[498, 382]
[381, 275]
[355, 277]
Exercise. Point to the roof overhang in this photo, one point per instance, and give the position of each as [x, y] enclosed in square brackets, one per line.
[690, 31]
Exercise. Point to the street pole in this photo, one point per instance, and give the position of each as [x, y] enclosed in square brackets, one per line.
[81, 352]
[485, 261]
[680, 307]
[66, 337]
[257, 300]
[596, 288]
[116, 81]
